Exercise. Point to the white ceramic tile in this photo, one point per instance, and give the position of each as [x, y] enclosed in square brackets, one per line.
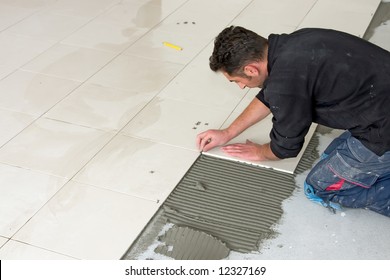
[15, 250]
[280, 8]
[33, 93]
[136, 74]
[70, 62]
[32, 4]
[5, 71]
[140, 13]
[137, 167]
[251, 93]
[348, 16]
[282, 13]
[86, 222]
[9, 15]
[106, 36]
[259, 133]
[264, 30]
[174, 122]
[84, 8]
[54, 147]
[191, 27]
[203, 13]
[12, 123]
[100, 107]
[14, 51]
[362, 6]
[151, 46]
[23, 193]
[3, 240]
[49, 26]
[198, 84]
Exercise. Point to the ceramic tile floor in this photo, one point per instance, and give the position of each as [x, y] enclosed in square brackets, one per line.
[99, 118]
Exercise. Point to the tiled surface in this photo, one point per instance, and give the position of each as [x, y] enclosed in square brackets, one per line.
[3, 240]
[352, 16]
[100, 107]
[140, 13]
[69, 62]
[5, 70]
[33, 93]
[197, 84]
[174, 122]
[122, 25]
[12, 123]
[99, 118]
[180, 28]
[136, 74]
[44, 25]
[282, 16]
[15, 250]
[23, 193]
[12, 14]
[139, 168]
[14, 51]
[195, 17]
[106, 36]
[54, 147]
[87, 8]
[86, 222]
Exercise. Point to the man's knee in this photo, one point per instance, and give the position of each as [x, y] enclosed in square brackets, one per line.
[321, 177]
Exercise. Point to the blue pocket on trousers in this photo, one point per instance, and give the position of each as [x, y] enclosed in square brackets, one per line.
[352, 174]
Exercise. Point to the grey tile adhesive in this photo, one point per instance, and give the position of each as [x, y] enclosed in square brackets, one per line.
[185, 243]
[222, 205]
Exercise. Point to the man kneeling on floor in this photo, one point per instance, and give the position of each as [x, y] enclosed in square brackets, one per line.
[313, 75]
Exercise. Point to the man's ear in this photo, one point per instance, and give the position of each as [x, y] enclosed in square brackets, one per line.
[251, 70]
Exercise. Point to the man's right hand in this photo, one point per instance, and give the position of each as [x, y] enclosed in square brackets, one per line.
[212, 138]
[254, 112]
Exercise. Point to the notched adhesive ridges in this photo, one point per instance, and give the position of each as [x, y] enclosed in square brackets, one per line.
[230, 202]
[233, 203]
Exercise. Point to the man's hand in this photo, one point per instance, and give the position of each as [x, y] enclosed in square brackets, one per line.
[253, 113]
[212, 138]
[250, 151]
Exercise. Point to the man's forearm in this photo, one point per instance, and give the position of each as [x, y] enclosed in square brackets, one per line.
[255, 112]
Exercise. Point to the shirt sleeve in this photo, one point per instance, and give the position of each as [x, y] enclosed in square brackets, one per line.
[290, 103]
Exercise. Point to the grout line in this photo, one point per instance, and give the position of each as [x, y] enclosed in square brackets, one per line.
[48, 250]
[106, 188]
[246, 7]
[299, 24]
[24, 18]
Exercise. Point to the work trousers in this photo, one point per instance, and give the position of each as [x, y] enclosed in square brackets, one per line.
[352, 176]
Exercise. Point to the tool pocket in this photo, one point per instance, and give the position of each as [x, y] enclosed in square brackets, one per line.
[352, 175]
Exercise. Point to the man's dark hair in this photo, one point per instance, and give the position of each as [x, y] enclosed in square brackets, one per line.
[236, 47]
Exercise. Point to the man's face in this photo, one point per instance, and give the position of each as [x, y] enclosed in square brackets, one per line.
[254, 77]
